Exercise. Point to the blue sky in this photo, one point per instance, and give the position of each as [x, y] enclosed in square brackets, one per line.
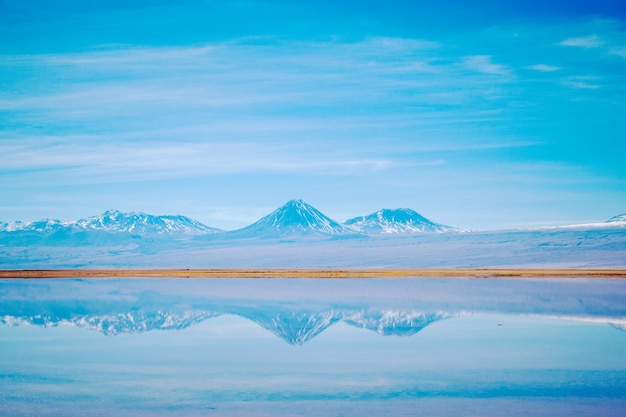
[483, 116]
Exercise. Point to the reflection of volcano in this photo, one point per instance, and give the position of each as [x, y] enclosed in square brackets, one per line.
[396, 323]
[295, 327]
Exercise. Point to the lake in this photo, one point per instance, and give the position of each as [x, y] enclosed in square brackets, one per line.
[313, 347]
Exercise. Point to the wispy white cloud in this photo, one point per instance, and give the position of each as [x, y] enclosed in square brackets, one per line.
[612, 45]
[244, 90]
[619, 51]
[83, 160]
[484, 64]
[592, 41]
[544, 68]
[395, 45]
[586, 83]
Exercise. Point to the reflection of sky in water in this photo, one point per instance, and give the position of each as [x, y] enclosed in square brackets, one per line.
[482, 363]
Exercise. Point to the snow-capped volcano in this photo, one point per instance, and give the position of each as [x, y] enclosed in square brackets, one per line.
[295, 217]
[401, 220]
[140, 223]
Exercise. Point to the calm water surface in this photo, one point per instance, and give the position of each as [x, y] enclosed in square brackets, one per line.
[312, 347]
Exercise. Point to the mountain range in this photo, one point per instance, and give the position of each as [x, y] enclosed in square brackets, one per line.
[115, 221]
[298, 235]
[296, 217]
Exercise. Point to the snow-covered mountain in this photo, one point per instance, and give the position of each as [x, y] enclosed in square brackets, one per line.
[294, 218]
[40, 226]
[140, 223]
[113, 221]
[401, 220]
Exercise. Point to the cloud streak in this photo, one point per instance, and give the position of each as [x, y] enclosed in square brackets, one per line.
[484, 64]
[81, 161]
[592, 41]
[220, 75]
[544, 68]
[586, 83]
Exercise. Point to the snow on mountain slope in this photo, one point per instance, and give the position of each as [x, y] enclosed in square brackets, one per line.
[140, 223]
[41, 226]
[114, 221]
[295, 217]
[401, 220]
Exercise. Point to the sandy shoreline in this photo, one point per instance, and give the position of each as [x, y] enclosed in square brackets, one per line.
[314, 273]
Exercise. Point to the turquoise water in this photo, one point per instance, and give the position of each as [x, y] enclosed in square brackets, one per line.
[427, 347]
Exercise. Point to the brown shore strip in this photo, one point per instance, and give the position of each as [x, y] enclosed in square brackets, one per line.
[315, 273]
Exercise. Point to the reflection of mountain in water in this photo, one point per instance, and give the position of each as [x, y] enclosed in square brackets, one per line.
[114, 323]
[299, 310]
[396, 323]
[296, 327]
